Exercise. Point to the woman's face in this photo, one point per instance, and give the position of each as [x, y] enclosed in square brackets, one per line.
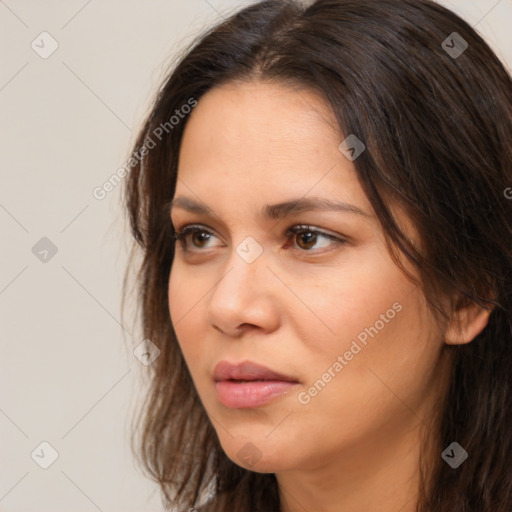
[337, 316]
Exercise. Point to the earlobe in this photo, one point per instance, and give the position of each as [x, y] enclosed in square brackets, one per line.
[466, 324]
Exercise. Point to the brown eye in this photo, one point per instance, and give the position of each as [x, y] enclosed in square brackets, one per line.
[199, 236]
[308, 237]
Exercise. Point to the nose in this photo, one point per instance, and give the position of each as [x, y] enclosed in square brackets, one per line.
[244, 297]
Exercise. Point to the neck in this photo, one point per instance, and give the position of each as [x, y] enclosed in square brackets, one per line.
[381, 472]
[386, 480]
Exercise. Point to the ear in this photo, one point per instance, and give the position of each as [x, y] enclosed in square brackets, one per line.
[467, 322]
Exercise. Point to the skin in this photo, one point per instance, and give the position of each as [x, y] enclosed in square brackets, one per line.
[355, 445]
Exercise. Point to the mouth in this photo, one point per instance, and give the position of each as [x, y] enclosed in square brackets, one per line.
[248, 371]
[249, 385]
[250, 380]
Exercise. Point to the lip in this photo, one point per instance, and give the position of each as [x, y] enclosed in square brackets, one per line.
[247, 371]
[248, 384]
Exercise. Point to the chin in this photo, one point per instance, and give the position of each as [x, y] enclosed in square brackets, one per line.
[257, 454]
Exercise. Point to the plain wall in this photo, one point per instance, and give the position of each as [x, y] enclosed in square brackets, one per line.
[68, 376]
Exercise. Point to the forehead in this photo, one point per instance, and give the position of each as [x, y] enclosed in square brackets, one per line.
[246, 116]
[264, 141]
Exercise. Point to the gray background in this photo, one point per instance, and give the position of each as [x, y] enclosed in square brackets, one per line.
[68, 374]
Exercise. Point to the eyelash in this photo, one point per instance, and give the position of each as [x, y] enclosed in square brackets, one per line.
[182, 235]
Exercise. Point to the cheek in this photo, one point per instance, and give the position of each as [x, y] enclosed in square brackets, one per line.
[176, 290]
[187, 293]
[378, 323]
[382, 357]
[182, 299]
[338, 305]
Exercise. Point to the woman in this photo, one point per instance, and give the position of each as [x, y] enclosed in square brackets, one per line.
[323, 214]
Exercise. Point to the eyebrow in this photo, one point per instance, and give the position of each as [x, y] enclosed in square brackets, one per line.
[276, 211]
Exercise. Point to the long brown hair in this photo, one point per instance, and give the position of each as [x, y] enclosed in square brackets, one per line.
[434, 110]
